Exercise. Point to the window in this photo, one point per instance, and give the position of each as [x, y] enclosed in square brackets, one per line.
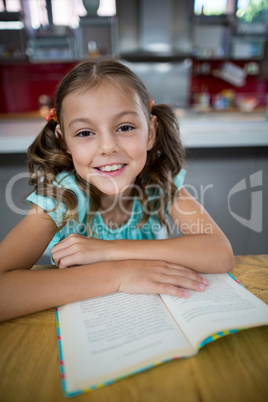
[252, 11]
[212, 7]
[38, 13]
[65, 12]
[11, 5]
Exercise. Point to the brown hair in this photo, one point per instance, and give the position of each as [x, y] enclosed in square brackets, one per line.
[47, 155]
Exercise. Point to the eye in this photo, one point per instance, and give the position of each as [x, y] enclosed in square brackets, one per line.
[85, 133]
[125, 128]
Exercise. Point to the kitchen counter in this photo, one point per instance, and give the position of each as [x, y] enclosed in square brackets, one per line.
[219, 130]
[198, 130]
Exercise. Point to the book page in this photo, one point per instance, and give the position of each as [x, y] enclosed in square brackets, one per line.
[103, 337]
[224, 305]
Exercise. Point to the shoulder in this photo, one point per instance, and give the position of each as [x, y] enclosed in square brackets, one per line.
[63, 179]
[55, 206]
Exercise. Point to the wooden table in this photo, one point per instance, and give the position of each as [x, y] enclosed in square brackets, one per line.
[233, 369]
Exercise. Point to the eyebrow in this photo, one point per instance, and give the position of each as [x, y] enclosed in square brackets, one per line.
[117, 116]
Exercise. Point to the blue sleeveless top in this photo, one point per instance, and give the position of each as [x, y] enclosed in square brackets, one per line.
[130, 230]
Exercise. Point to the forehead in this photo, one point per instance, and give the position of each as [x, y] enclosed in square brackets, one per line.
[107, 90]
[103, 101]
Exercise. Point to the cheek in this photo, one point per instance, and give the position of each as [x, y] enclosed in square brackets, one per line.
[138, 148]
[81, 161]
[141, 155]
[81, 155]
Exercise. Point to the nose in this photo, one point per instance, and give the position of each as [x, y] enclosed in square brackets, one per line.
[108, 143]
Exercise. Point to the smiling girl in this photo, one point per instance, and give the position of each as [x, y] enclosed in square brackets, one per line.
[107, 170]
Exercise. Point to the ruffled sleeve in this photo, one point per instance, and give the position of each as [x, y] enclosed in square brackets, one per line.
[56, 210]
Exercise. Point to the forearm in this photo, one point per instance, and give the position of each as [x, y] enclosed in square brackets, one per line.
[24, 292]
[201, 252]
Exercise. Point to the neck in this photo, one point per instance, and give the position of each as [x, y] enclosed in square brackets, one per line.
[116, 210]
[123, 200]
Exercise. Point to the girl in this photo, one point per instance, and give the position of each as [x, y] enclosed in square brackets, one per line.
[107, 169]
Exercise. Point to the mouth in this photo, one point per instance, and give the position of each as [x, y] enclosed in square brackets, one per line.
[111, 170]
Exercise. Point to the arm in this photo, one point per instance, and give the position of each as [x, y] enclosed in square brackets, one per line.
[203, 248]
[24, 291]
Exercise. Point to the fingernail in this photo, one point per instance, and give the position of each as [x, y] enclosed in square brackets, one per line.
[202, 287]
[205, 281]
[186, 293]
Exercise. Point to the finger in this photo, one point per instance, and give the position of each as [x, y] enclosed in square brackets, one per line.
[168, 289]
[62, 265]
[182, 268]
[67, 262]
[71, 236]
[58, 247]
[152, 287]
[54, 258]
[188, 273]
[67, 242]
[59, 255]
[182, 282]
[178, 266]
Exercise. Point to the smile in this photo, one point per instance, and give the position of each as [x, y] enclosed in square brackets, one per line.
[110, 168]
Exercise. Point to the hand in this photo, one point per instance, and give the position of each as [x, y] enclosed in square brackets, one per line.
[79, 250]
[151, 277]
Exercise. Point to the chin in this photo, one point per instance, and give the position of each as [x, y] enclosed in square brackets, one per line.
[111, 192]
[111, 187]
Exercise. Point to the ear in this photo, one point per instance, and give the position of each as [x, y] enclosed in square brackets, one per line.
[152, 132]
[60, 136]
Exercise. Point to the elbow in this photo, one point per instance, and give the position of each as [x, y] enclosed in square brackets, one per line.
[4, 304]
[6, 299]
[226, 259]
[227, 264]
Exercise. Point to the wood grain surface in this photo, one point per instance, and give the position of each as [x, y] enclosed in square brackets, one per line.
[233, 369]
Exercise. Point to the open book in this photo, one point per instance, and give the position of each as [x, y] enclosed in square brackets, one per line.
[107, 338]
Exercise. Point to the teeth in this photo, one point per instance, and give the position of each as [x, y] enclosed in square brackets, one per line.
[110, 168]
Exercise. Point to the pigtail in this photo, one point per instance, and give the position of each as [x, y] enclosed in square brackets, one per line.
[46, 159]
[164, 162]
[47, 155]
[168, 147]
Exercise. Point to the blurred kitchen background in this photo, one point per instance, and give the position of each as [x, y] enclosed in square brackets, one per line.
[208, 59]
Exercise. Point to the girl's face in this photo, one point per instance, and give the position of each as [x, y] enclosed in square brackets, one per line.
[108, 135]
